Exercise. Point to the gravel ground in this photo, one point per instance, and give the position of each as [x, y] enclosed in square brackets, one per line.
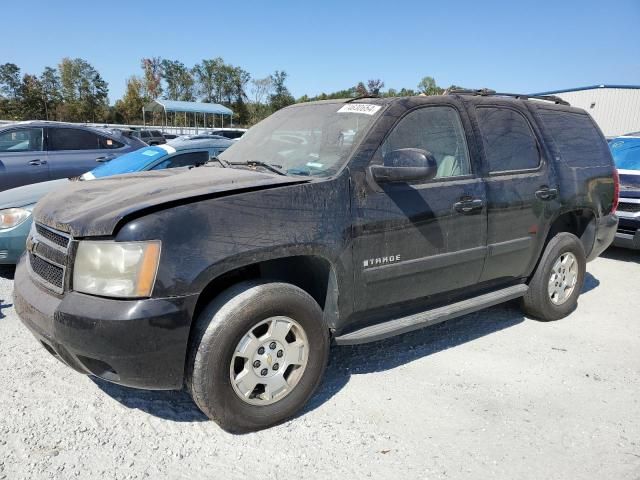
[490, 395]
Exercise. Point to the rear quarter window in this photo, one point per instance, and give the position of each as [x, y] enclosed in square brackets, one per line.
[509, 142]
[576, 137]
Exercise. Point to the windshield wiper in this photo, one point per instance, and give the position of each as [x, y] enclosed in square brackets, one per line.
[224, 163]
[257, 163]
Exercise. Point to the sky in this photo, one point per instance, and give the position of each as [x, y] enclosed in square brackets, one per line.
[522, 47]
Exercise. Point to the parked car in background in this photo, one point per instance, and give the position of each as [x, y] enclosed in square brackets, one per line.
[37, 151]
[232, 133]
[235, 281]
[150, 137]
[626, 155]
[16, 204]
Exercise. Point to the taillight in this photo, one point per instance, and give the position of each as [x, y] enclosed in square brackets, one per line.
[616, 190]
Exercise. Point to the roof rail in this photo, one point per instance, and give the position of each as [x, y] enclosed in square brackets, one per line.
[368, 95]
[485, 92]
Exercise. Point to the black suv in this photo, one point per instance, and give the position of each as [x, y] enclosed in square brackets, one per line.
[332, 222]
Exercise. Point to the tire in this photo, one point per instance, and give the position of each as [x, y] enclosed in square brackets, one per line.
[214, 362]
[538, 302]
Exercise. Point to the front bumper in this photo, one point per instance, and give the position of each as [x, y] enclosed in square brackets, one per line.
[628, 234]
[605, 232]
[12, 242]
[137, 343]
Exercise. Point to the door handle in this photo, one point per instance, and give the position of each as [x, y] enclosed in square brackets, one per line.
[103, 159]
[468, 206]
[546, 193]
[35, 162]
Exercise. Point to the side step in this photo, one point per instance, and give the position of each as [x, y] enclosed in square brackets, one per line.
[430, 317]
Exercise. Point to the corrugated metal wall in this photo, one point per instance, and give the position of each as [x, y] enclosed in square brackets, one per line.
[616, 110]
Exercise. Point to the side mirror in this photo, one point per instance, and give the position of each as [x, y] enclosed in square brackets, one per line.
[406, 165]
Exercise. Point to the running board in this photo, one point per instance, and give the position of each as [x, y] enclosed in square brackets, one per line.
[416, 321]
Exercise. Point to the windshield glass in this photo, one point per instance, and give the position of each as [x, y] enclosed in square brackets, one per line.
[313, 139]
[626, 153]
[131, 162]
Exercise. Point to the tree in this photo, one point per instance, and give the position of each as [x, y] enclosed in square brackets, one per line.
[209, 79]
[428, 86]
[260, 88]
[152, 68]
[179, 81]
[84, 91]
[281, 97]
[374, 86]
[260, 92]
[10, 91]
[129, 107]
[32, 106]
[51, 96]
[361, 90]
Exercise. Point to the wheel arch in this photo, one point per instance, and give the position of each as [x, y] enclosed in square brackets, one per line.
[313, 273]
[581, 222]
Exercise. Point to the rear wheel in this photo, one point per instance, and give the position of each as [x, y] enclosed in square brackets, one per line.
[257, 355]
[556, 284]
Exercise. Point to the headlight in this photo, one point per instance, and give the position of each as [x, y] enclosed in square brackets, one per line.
[116, 269]
[12, 217]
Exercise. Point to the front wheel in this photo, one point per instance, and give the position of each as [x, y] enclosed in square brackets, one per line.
[258, 353]
[556, 284]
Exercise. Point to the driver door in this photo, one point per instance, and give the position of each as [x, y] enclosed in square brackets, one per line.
[416, 240]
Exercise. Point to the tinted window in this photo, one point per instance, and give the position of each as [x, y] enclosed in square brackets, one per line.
[156, 133]
[146, 133]
[21, 140]
[576, 137]
[109, 143]
[183, 160]
[72, 139]
[509, 143]
[437, 130]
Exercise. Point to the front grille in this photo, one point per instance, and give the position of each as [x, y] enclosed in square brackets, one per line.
[56, 238]
[627, 231]
[48, 272]
[629, 207]
[48, 252]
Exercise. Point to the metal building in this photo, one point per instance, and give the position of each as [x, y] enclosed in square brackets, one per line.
[616, 108]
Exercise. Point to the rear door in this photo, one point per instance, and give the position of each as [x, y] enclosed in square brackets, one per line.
[520, 194]
[74, 151]
[413, 241]
[23, 159]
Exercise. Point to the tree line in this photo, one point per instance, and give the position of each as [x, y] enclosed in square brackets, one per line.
[75, 91]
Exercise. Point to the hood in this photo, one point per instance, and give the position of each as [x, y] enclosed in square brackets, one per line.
[96, 208]
[629, 183]
[29, 194]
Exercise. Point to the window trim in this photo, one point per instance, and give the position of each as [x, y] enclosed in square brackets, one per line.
[43, 147]
[102, 137]
[541, 157]
[435, 180]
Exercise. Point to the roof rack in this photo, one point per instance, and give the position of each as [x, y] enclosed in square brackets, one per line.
[368, 95]
[485, 92]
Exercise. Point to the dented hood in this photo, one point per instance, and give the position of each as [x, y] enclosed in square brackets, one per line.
[96, 207]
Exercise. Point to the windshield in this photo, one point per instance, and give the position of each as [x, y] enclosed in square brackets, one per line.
[314, 139]
[626, 153]
[131, 162]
